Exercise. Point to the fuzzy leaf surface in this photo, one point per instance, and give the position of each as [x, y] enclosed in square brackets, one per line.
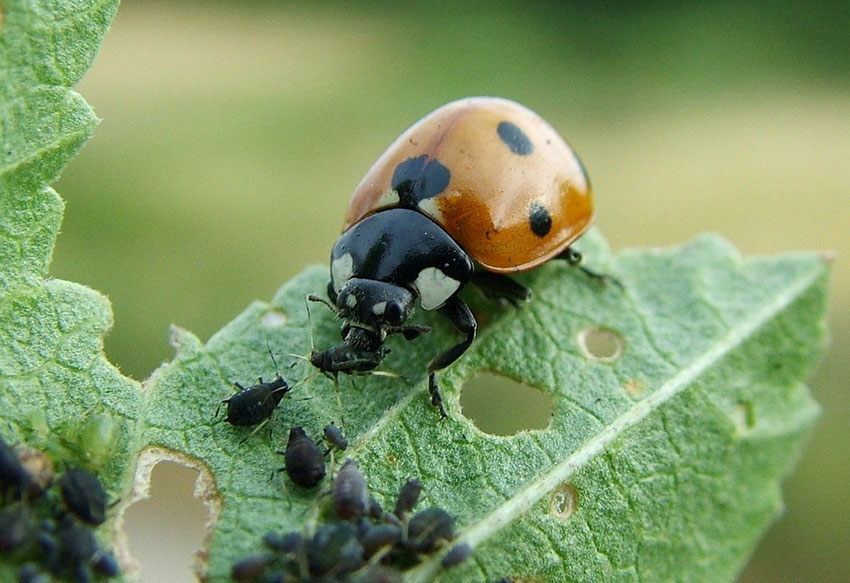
[58, 392]
[671, 453]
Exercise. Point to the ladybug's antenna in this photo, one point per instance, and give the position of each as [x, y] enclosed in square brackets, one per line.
[315, 298]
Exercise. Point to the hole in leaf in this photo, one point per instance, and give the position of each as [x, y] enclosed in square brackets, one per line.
[744, 416]
[273, 319]
[166, 530]
[499, 405]
[601, 344]
[564, 501]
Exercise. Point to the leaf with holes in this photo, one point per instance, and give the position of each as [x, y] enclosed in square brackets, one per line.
[678, 405]
[678, 402]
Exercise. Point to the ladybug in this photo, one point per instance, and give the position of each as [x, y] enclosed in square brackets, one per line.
[478, 189]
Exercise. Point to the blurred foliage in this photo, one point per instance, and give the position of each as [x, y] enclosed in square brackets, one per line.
[232, 135]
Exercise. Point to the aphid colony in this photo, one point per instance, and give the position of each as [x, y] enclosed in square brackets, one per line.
[357, 541]
[47, 522]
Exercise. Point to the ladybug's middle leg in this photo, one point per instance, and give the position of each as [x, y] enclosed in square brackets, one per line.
[461, 316]
[501, 287]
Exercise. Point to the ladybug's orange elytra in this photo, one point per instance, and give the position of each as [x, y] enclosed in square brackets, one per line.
[517, 193]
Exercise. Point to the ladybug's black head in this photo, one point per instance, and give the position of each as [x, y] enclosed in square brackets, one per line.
[374, 304]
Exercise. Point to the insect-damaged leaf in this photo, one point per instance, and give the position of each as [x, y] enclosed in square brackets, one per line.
[662, 458]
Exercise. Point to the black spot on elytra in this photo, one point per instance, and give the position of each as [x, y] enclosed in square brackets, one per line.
[515, 139]
[419, 178]
[539, 219]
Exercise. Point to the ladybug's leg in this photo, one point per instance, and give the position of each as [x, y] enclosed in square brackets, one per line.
[574, 258]
[501, 287]
[410, 332]
[331, 292]
[461, 316]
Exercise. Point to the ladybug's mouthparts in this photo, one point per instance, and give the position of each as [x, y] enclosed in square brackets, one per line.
[361, 337]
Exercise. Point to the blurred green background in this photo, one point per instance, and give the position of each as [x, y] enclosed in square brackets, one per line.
[233, 134]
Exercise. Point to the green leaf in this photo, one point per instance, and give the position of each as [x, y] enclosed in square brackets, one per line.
[670, 453]
[662, 460]
[57, 390]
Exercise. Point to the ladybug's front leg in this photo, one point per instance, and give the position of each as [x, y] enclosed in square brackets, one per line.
[461, 316]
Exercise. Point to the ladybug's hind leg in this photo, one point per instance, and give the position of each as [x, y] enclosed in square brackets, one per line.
[461, 316]
[501, 287]
[574, 258]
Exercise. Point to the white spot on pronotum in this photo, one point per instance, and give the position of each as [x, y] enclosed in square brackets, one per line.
[388, 198]
[379, 308]
[341, 270]
[273, 319]
[563, 501]
[434, 287]
[350, 300]
[429, 207]
[601, 344]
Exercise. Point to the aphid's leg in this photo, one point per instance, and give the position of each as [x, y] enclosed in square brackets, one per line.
[501, 287]
[339, 399]
[461, 316]
[285, 489]
[254, 431]
[574, 258]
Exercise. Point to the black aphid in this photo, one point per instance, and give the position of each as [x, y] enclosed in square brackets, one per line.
[375, 510]
[334, 436]
[286, 543]
[30, 573]
[84, 496]
[350, 494]
[305, 463]
[14, 477]
[335, 549]
[75, 552]
[16, 526]
[428, 529]
[457, 555]
[408, 497]
[106, 564]
[251, 568]
[254, 404]
[380, 536]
